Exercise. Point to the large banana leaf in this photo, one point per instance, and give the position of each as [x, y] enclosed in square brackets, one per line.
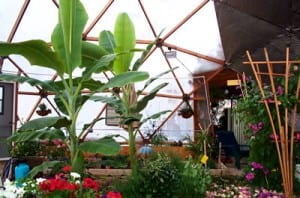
[139, 62]
[47, 85]
[152, 79]
[90, 53]
[67, 35]
[125, 41]
[129, 119]
[41, 168]
[59, 86]
[125, 78]
[107, 41]
[37, 52]
[154, 116]
[113, 102]
[103, 64]
[41, 123]
[79, 101]
[25, 136]
[142, 103]
[106, 146]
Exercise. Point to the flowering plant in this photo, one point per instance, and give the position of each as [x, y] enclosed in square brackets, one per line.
[112, 194]
[257, 168]
[237, 191]
[10, 190]
[63, 184]
[258, 130]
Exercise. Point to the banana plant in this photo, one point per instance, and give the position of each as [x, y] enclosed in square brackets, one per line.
[125, 99]
[67, 53]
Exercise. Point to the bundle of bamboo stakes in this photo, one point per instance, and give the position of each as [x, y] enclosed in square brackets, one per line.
[279, 122]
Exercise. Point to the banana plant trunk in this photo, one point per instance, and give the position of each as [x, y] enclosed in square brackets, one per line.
[76, 157]
[132, 148]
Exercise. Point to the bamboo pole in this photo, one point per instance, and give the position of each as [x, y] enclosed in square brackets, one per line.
[283, 139]
[284, 145]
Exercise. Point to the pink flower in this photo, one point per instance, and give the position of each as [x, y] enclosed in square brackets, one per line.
[279, 90]
[256, 165]
[256, 127]
[273, 137]
[250, 176]
[266, 171]
[57, 141]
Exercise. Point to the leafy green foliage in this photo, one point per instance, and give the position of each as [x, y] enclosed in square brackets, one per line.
[195, 179]
[103, 145]
[165, 175]
[158, 176]
[113, 53]
[40, 168]
[125, 41]
[159, 139]
[252, 111]
[29, 148]
[67, 53]
[36, 51]
[66, 36]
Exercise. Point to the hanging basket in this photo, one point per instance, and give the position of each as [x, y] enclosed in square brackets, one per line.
[186, 114]
[43, 112]
[186, 111]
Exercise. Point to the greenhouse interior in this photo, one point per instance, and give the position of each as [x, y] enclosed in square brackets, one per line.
[147, 99]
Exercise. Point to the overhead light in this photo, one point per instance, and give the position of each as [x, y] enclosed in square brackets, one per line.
[170, 54]
[233, 82]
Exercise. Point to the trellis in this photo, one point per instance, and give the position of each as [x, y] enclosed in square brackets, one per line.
[266, 72]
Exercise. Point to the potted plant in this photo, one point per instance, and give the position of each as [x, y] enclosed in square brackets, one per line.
[186, 111]
[43, 110]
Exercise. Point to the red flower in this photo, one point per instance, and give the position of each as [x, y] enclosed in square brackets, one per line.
[51, 185]
[113, 194]
[67, 169]
[90, 183]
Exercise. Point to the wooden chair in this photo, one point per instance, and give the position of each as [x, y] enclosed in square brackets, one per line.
[231, 146]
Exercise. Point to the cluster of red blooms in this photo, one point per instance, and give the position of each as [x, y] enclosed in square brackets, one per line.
[61, 183]
[57, 183]
[89, 183]
[112, 194]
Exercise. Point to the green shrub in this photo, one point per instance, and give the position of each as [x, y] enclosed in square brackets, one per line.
[195, 179]
[166, 175]
[157, 176]
[162, 178]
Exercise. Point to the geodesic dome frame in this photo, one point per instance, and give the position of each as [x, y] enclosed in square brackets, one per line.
[263, 29]
[163, 47]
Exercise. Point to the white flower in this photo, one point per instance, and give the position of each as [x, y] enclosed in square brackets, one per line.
[10, 190]
[75, 175]
[40, 180]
